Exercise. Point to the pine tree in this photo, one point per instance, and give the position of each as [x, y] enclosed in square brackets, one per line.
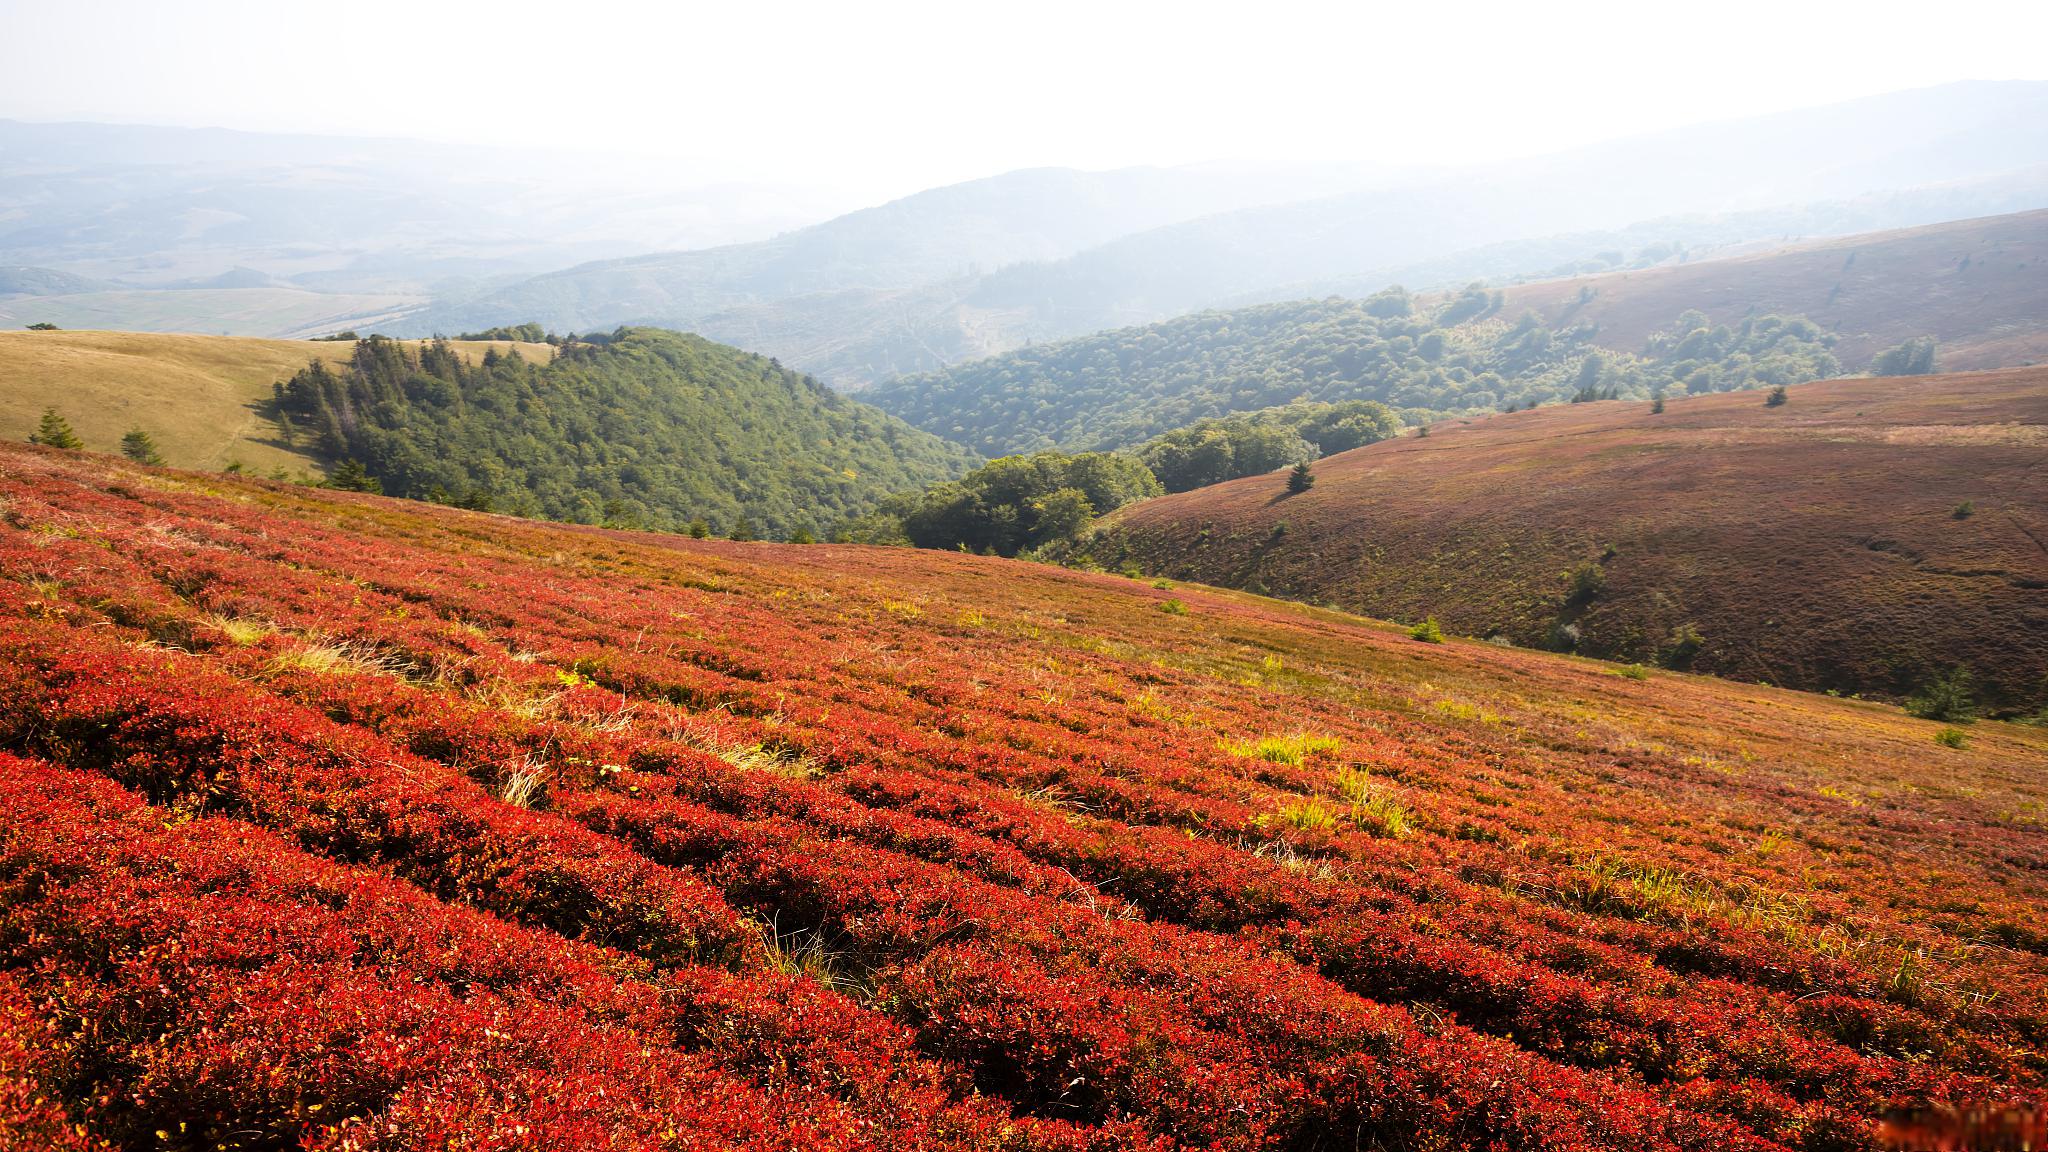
[1301, 479]
[742, 529]
[138, 446]
[351, 476]
[1776, 397]
[55, 431]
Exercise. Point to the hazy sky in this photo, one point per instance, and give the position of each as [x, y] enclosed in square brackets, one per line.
[888, 98]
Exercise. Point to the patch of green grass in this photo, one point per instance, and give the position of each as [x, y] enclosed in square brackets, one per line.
[1173, 608]
[1289, 750]
[1952, 738]
[1309, 815]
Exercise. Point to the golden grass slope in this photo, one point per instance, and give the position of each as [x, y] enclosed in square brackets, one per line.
[203, 399]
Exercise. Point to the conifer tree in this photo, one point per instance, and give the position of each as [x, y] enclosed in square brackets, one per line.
[1301, 479]
[139, 447]
[56, 432]
[351, 476]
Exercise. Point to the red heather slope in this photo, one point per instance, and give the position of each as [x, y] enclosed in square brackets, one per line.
[1815, 544]
[342, 823]
[1980, 287]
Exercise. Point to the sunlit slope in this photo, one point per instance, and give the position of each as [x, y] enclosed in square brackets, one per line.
[341, 821]
[1980, 287]
[1864, 537]
[203, 399]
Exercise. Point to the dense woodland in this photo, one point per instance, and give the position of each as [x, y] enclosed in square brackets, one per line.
[649, 428]
[1119, 389]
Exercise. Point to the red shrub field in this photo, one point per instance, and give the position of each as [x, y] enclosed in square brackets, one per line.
[343, 823]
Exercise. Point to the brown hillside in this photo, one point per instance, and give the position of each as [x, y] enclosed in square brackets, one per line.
[1816, 545]
[203, 399]
[1980, 287]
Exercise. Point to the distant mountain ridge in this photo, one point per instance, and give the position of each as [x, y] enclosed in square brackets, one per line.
[962, 230]
[1957, 146]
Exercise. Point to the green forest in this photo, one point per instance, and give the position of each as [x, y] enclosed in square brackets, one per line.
[640, 428]
[1227, 447]
[1120, 389]
[1008, 506]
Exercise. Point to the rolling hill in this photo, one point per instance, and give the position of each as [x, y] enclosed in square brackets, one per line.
[204, 399]
[922, 240]
[1121, 388]
[343, 822]
[641, 427]
[1867, 536]
[654, 428]
[857, 299]
[1980, 287]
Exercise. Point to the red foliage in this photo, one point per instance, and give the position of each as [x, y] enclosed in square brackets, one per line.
[352, 824]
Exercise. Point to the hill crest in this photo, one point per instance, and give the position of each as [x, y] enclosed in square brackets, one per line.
[1866, 536]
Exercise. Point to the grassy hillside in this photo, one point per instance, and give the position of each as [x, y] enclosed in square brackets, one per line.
[596, 839]
[1866, 536]
[204, 399]
[1980, 287]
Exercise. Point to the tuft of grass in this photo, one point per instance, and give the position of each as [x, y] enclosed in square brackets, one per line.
[1952, 738]
[340, 659]
[524, 785]
[1372, 810]
[761, 757]
[1632, 672]
[1173, 608]
[804, 954]
[241, 633]
[1288, 750]
[1309, 815]
[1429, 632]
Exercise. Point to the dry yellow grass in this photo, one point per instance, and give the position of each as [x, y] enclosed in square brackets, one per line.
[200, 397]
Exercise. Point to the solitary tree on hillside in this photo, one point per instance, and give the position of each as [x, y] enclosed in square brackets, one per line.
[138, 446]
[1915, 357]
[1301, 479]
[42, 326]
[56, 432]
[1776, 398]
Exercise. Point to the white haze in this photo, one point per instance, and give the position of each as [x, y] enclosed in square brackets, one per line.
[866, 102]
